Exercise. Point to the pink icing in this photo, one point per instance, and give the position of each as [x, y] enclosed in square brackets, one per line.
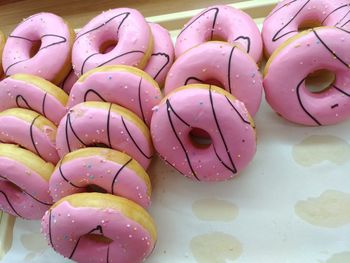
[286, 18]
[323, 48]
[124, 25]
[20, 94]
[90, 126]
[163, 54]
[23, 192]
[55, 38]
[120, 87]
[69, 81]
[223, 63]
[226, 121]
[221, 22]
[17, 131]
[116, 178]
[65, 228]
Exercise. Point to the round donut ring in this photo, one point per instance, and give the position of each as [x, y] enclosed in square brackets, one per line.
[310, 51]
[221, 22]
[163, 54]
[288, 16]
[34, 93]
[219, 62]
[113, 171]
[55, 39]
[214, 110]
[92, 123]
[69, 81]
[2, 43]
[130, 30]
[24, 182]
[30, 130]
[95, 227]
[123, 85]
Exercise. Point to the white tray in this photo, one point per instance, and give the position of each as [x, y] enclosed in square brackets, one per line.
[258, 217]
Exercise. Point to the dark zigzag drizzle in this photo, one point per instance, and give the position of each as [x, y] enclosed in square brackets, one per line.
[32, 136]
[94, 92]
[8, 201]
[140, 101]
[116, 175]
[69, 124]
[335, 10]
[107, 260]
[222, 161]
[43, 105]
[238, 113]
[50, 234]
[193, 78]
[108, 125]
[163, 67]
[18, 97]
[229, 69]
[278, 9]
[246, 39]
[65, 178]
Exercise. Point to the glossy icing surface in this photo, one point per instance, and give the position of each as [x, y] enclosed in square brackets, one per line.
[55, 39]
[34, 93]
[221, 22]
[115, 172]
[215, 111]
[76, 231]
[288, 16]
[223, 63]
[125, 26]
[93, 123]
[29, 130]
[320, 48]
[23, 191]
[163, 54]
[123, 85]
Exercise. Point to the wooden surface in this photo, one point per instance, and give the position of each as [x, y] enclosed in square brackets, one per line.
[78, 12]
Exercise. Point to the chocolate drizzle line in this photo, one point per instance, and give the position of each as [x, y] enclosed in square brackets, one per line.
[43, 105]
[69, 124]
[278, 9]
[341, 91]
[18, 97]
[94, 92]
[116, 175]
[50, 234]
[108, 125]
[140, 101]
[65, 178]
[166, 63]
[8, 201]
[107, 259]
[335, 10]
[32, 136]
[133, 140]
[229, 69]
[193, 78]
[238, 113]
[246, 39]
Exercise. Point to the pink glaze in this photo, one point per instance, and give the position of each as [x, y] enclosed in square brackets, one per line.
[226, 121]
[221, 22]
[162, 56]
[74, 176]
[305, 55]
[41, 142]
[120, 86]
[65, 228]
[54, 53]
[87, 125]
[123, 25]
[23, 192]
[286, 18]
[20, 94]
[69, 81]
[219, 62]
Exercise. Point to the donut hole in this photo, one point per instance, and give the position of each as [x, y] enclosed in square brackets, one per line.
[92, 188]
[98, 238]
[214, 82]
[34, 48]
[107, 46]
[320, 80]
[309, 24]
[200, 138]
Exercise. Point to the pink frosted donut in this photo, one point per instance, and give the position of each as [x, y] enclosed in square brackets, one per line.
[224, 23]
[24, 182]
[34, 93]
[69, 81]
[215, 111]
[163, 54]
[95, 227]
[220, 62]
[125, 29]
[41, 46]
[113, 171]
[92, 123]
[30, 130]
[123, 85]
[310, 51]
[286, 19]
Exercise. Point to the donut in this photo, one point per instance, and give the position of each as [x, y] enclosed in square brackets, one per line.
[95, 123]
[69, 81]
[124, 29]
[163, 54]
[212, 109]
[31, 131]
[123, 85]
[24, 182]
[312, 50]
[290, 16]
[222, 64]
[96, 227]
[113, 171]
[2, 43]
[41, 46]
[34, 93]
[221, 22]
